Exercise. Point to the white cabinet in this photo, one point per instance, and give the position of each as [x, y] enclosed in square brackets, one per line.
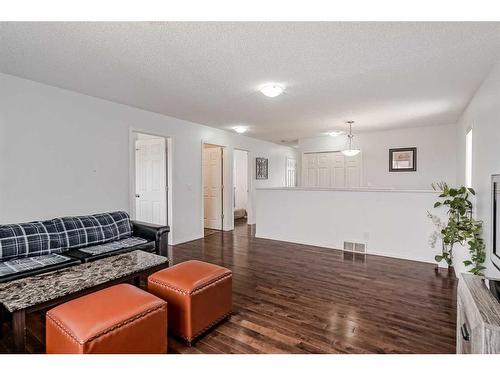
[331, 169]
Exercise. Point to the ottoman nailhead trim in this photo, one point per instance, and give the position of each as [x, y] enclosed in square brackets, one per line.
[212, 283]
[194, 291]
[208, 327]
[128, 321]
[59, 325]
[117, 326]
[161, 283]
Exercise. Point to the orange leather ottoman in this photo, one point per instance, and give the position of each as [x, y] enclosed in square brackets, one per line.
[119, 319]
[199, 295]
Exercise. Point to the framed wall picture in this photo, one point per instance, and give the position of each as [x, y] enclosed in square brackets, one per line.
[403, 159]
[261, 171]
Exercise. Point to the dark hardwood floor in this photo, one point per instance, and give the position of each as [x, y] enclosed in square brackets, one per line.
[291, 298]
[209, 232]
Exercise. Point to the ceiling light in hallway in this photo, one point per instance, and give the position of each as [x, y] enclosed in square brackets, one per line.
[272, 90]
[240, 129]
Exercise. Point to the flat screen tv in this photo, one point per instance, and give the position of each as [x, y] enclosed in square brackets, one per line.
[495, 203]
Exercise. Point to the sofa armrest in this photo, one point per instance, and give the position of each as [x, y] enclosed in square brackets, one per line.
[153, 232]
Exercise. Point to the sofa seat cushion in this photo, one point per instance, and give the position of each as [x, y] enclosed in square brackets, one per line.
[30, 239]
[89, 230]
[23, 265]
[115, 245]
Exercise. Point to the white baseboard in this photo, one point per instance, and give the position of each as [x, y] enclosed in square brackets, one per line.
[184, 240]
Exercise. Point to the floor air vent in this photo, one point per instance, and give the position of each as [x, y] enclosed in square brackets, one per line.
[357, 247]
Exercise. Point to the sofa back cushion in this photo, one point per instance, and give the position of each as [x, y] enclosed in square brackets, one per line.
[82, 231]
[61, 234]
[30, 239]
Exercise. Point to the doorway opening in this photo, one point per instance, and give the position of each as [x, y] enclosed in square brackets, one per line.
[213, 188]
[151, 201]
[240, 187]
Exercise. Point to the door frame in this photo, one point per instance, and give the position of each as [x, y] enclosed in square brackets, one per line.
[132, 176]
[250, 211]
[223, 190]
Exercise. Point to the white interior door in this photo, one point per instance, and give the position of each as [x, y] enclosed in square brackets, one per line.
[212, 187]
[240, 179]
[310, 170]
[331, 169]
[291, 172]
[151, 180]
[352, 171]
[323, 170]
[338, 170]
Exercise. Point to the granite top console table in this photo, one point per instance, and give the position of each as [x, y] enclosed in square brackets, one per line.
[50, 289]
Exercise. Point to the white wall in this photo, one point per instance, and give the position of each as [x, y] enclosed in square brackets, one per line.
[240, 179]
[436, 155]
[483, 115]
[64, 153]
[391, 223]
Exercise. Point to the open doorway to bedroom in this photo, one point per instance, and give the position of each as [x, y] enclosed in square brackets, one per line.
[240, 187]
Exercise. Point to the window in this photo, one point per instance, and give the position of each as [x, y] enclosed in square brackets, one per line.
[468, 159]
[291, 172]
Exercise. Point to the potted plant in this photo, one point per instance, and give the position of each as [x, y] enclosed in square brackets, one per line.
[460, 228]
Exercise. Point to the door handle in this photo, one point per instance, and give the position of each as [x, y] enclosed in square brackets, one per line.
[137, 195]
[465, 332]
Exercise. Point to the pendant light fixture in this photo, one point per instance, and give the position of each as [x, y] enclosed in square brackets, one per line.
[350, 151]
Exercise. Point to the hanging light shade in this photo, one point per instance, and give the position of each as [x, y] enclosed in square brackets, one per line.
[353, 152]
[350, 151]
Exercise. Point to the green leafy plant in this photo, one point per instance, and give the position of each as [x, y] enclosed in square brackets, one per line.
[461, 227]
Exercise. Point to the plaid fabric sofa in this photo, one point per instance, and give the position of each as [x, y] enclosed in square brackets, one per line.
[37, 247]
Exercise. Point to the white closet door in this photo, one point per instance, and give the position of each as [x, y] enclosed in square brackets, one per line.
[291, 172]
[310, 170]
[331, 169]
[338, 170]
[324, 170]
[353, 171]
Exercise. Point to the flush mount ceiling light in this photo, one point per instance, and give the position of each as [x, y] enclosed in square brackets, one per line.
[335, 133]
[240, 129]
[350, 151]
[272, 90]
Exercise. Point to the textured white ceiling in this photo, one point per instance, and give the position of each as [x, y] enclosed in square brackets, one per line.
[381, 75]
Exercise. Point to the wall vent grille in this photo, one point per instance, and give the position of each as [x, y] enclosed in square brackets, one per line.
[356, 247]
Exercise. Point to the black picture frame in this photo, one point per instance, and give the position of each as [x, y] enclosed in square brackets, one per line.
[412, 168]
[261, 168]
